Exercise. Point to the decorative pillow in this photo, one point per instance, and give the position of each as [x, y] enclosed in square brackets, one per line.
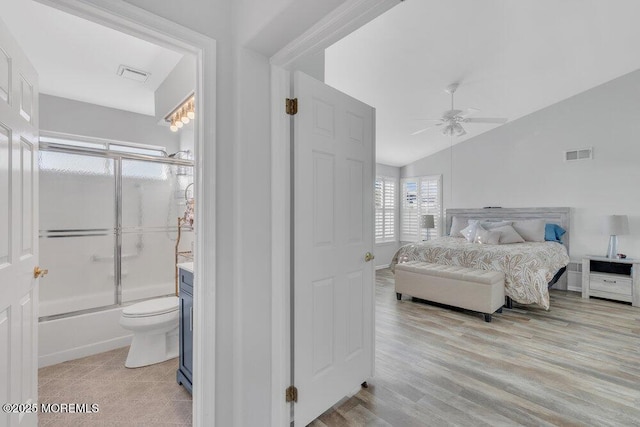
[469, 232]
[553, 233]
[531, 230]
[457, 224]
[487, 237]
[490, 225]
[508, 235]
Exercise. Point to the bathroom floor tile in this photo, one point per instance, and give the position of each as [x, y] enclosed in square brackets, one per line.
[147, 396]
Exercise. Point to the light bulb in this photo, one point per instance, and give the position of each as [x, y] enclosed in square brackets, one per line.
[173, 127]
[179, 123]
[191, 111]
[183, 116]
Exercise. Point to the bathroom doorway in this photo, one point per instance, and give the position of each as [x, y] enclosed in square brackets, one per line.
[129, 19]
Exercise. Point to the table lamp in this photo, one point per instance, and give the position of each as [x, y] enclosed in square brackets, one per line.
[614, 226]
[427, 222]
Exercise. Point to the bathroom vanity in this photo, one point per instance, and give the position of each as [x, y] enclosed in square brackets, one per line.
[185, 371]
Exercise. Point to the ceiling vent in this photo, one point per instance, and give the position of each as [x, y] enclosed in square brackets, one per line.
[133, 74]
[581, 154]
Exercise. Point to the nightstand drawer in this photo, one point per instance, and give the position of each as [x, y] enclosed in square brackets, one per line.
[610, 283]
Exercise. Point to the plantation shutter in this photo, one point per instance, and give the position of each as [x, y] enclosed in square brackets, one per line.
[409, 210]
[420, 196]
[430, 196]
[385, 195]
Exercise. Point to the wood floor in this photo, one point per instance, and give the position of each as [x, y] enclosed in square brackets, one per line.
[577, 364]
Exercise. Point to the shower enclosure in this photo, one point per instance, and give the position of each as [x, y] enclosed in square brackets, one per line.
[108, 223]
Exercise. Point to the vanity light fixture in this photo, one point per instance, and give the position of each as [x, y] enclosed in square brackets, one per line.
[182, 114]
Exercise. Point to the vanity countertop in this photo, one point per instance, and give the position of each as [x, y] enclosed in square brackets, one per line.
[186, 266]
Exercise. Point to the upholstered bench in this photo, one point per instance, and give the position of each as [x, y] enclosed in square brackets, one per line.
[467, 288]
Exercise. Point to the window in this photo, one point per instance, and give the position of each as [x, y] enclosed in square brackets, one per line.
[420, 196]
[385, 199]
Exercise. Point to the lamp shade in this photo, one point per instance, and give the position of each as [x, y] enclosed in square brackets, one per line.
[427, 221]
[615, 225]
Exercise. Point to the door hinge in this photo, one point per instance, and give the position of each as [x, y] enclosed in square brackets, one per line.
[292, 106]
[291, 394]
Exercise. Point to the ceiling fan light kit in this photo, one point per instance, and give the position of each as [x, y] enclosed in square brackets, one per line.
[452, 119]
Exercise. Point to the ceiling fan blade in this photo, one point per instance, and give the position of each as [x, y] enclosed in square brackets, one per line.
[485, 120]
[418, 132]
[469, 112]
[427, 128]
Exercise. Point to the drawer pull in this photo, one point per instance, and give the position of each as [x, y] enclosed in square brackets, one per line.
[609, 281]
[191, 319]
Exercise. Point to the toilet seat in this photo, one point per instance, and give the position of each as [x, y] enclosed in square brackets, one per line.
[153, 307]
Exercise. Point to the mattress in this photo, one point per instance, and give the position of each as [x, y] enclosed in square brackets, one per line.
[528, 267]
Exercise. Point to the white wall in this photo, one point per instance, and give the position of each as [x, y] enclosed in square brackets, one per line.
[243, 162]
[312, 65]
[384, 251]
[521, 164]
[179, 84]
[80, 118]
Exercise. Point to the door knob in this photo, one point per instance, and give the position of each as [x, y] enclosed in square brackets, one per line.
[37, 272]
[368, 256]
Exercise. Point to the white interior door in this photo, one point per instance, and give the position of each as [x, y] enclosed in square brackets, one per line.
[18, 231]
[333, 143]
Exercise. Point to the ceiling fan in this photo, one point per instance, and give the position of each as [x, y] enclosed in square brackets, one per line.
[452, 120]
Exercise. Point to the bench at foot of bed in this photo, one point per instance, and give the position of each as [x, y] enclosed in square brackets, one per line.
[467, 288]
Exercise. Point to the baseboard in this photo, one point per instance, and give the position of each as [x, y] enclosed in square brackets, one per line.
[575, 289]
[83, 351]
[382, 267]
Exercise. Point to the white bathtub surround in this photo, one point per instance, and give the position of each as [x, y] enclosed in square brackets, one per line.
[73, 337]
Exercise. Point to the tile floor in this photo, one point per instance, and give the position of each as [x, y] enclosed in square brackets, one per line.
[147, 396]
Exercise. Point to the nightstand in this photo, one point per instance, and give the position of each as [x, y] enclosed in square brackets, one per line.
[611, 278]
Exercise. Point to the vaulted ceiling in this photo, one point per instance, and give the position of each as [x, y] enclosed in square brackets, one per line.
[511, 58]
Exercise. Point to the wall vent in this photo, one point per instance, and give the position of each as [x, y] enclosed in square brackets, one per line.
[580, 154]
[133, 74]
[575, 267]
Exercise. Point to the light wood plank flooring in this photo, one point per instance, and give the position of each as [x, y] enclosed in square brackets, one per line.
[577, 364]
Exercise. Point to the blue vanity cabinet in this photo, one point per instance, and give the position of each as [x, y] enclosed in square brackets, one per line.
[185, 371]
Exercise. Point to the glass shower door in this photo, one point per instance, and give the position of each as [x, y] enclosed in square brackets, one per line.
[152, 201]
[77, 234]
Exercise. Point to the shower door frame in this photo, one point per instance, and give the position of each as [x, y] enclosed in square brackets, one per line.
[117, 230]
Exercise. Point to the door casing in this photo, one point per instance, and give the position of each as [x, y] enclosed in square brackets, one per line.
[342, 21]
[134, 21]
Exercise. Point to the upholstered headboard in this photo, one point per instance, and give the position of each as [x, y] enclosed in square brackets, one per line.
[560, 216]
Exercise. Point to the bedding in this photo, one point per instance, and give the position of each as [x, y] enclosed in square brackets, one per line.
[528, 266]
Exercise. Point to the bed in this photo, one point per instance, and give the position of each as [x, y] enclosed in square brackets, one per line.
[529, 267]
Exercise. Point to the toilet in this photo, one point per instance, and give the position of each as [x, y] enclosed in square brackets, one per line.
[154, 324]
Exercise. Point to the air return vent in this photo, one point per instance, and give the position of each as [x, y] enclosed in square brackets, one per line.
[133, 74]
[575, 267]
[580, 154]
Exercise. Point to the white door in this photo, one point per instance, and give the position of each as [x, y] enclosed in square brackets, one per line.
[333, 143]
[18, 231]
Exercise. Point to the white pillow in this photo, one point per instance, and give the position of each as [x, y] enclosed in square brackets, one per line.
[490, 225]
[531, 230]
[469, 232]
[508, 235]
[487, 237]
[457, 224]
